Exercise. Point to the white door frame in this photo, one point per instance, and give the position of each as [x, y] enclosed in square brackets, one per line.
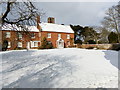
[60, 43]
[28, 45]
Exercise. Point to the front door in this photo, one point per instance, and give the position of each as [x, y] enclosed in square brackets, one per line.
[60, 43]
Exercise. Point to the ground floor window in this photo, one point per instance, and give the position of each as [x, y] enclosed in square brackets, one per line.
[34, 44]
[19, 44]
[9, 44]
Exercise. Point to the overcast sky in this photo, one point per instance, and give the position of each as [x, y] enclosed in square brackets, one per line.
[82, 13]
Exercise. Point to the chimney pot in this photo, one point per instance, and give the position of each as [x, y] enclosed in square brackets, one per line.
[51, 20]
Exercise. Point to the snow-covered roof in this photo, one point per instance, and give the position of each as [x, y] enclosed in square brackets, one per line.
[15, 28]
[56, 28]
[33, 29]
[45, 27]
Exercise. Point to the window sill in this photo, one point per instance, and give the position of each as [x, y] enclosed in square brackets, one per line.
[7, 37]
[19, 47]
[34, 46]
[32, 37]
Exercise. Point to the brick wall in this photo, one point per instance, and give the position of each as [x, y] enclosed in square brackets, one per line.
[14, 38]
[99, 46]
[54, 37]
[38, 37]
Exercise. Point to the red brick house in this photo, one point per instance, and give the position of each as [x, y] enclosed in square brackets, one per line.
[59, 35]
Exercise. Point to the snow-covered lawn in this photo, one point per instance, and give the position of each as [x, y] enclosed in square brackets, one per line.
[60, 68]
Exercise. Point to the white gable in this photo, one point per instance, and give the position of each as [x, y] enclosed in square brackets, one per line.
[56, 28]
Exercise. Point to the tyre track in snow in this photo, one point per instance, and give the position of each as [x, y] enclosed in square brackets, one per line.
[57, 66]
[57, 60]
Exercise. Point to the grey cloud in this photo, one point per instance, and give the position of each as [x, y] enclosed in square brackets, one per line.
[82, 13]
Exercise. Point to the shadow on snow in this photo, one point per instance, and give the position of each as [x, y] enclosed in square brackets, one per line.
[45, 78]
[113, 57]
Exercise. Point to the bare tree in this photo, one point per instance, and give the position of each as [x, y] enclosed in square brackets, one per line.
[112, 19]
[103, 34]
[19, 13]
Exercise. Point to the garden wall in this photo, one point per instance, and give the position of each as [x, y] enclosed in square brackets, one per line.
[98, 46]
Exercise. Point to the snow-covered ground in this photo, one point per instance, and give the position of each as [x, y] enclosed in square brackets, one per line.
[60, 68]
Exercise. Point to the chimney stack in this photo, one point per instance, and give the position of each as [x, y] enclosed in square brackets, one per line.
[51, 20]
[38, 22]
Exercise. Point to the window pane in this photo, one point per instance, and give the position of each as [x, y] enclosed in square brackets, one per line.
[36, 44]
[49, 35]
[68, 36]
[33, 35]
[7, 34]
[19, 35]
[19, 44]
[59, 35]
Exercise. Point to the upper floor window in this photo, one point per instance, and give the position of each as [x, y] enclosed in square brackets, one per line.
[19, 35]
[19, 44]
[49, 35]
[59, 35]
[68, 36]
[7, 34]
[32, 35]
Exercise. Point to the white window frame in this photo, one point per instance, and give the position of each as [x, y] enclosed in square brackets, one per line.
[49, 35]
[59, 36]
[9, 44]
[19, 35]
[68, 36]
[19, 44]
[33, 43]
[34, 35]
[8, 34]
